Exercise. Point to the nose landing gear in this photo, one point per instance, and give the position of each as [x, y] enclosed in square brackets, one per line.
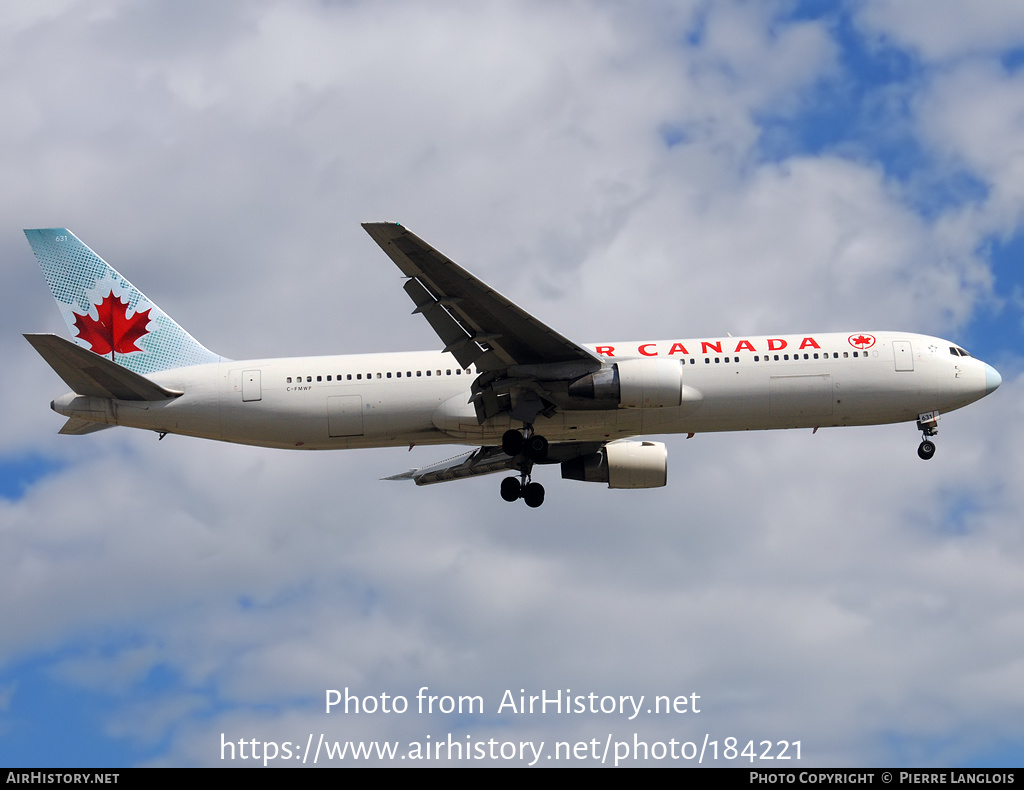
[927, 424]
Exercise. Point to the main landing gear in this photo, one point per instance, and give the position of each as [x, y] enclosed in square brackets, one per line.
[927, 424]
[531, 448]
[532, 445]
[512, 488]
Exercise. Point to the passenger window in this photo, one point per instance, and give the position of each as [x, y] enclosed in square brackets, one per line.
[288, 380]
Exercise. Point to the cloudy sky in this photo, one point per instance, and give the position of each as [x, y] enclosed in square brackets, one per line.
[665, 169]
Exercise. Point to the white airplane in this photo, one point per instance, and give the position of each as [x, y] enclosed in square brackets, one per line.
[504, 383]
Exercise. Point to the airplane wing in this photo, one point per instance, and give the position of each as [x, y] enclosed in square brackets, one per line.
[514, 352]
[476, 323]
[482, 461]
[488, 460]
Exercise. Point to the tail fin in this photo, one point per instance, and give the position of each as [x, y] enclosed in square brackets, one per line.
[106, 313]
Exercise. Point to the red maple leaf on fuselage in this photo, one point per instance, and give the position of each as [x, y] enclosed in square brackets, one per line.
[114, 330]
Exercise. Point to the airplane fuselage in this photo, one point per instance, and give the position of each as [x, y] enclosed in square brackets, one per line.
[395, 399]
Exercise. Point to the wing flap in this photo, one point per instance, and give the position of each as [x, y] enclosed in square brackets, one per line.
[454, 337]
[90, 374]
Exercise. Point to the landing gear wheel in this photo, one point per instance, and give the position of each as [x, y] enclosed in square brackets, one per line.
[926, 450]
[512, 443]
[537, 448]
[533, 494]
[511, 490]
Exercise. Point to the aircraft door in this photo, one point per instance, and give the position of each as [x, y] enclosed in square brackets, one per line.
[903, 354]
[800, 396]
[251, 388]
[345, 415]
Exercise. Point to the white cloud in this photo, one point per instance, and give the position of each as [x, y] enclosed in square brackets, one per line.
[947, 29]
[974, 116]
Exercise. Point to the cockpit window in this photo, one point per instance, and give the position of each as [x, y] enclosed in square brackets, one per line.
[956, 351]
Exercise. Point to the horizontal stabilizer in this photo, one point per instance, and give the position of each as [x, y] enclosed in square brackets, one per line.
[482, 461]
[92, 375]
[77, 427]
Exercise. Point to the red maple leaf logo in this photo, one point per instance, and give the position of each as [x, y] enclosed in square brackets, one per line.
[114, 331]
[863, 341]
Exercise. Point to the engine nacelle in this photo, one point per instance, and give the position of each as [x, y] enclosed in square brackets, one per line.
[622, 465]
[639, 384]
[650, 383]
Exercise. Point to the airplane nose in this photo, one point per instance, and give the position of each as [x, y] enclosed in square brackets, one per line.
[992, 379]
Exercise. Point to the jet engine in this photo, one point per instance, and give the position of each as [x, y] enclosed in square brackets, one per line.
[638, 384]
[621, 464]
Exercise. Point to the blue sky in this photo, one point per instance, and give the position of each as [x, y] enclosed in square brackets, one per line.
[682, 170]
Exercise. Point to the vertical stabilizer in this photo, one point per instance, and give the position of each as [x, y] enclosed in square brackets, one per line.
[107, 314]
